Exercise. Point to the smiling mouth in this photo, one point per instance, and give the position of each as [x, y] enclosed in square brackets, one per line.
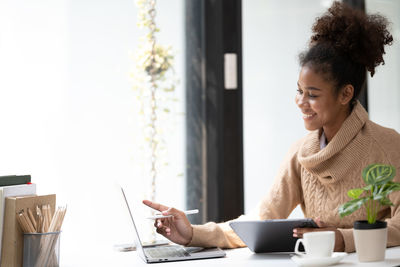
[309, 116]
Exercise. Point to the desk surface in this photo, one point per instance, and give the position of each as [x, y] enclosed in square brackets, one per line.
[236, 257]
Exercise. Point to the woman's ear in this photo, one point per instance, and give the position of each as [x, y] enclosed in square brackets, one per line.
[346, 94]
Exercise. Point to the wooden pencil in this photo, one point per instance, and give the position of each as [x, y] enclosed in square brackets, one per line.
[22, 223]
[49, 215]
[26, 220]
[32, 218]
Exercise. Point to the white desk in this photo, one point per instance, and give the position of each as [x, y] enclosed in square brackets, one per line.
[242, 257]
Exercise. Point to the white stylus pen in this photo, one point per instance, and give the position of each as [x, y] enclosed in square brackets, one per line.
[160, 216]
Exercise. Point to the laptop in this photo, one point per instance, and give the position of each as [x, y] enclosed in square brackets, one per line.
[270, 236]
[167, 253]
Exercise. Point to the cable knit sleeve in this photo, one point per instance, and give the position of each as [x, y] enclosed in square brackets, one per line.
[215, 235]
[394, 222]
[282, 198]
[220, 234]
[286, 191]
[393, 153]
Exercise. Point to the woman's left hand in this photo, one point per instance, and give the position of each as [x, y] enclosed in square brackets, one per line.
[339, 242]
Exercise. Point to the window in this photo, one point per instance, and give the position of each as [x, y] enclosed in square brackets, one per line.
[274, 33]
[383, 88]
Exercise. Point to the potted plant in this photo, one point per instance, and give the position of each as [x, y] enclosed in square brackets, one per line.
[370, 236]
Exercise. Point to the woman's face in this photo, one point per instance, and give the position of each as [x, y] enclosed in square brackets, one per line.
[320, 106]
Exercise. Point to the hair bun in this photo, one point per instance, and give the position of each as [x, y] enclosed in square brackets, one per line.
[353, 33]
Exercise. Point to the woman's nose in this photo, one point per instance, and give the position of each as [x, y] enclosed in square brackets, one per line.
[301, 100]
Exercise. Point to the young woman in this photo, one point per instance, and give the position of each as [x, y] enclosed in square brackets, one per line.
[320, 168]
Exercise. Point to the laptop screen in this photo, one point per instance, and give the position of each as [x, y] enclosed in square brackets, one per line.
[138, 243]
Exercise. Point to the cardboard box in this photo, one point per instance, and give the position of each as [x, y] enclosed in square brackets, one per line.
[13, 239]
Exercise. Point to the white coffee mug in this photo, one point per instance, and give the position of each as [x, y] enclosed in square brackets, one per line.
[316, 244]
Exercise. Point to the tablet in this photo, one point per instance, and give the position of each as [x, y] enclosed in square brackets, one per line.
[270, 235]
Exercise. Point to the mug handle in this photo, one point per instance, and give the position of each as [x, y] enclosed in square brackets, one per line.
[296, 247]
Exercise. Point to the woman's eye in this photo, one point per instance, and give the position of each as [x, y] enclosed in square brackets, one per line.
[300, 92]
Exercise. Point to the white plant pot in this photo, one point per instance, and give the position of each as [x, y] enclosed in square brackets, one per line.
[370, 240]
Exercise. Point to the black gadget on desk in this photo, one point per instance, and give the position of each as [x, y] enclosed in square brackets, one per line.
[273, 236]
[165, 253]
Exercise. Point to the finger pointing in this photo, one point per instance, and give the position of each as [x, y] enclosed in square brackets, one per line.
[154, 205]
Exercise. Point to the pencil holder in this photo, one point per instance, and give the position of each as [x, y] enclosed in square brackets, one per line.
[41, 249]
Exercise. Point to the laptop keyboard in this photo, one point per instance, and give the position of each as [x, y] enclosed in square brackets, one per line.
[166, 252]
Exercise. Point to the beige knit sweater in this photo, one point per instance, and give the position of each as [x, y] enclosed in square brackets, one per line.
[318, 180]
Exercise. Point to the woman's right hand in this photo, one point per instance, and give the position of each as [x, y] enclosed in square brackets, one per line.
[176, 228]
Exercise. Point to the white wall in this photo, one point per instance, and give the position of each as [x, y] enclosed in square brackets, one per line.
[274, 33]
[384, 87]
[68, 114]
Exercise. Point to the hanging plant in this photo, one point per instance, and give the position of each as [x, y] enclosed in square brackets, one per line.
[154, 81]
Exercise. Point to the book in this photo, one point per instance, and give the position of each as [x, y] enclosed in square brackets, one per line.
[13, 238]
[10, 191]
[14, 179]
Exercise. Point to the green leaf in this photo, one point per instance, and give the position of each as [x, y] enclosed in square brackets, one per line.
[385, 202]
[355, 193]
[368, 178]
[378, 178]
[393, 187]
[387, 174]
[351, 206]
[367, 188]
[378, 174]
[388, 188]
[378, 196]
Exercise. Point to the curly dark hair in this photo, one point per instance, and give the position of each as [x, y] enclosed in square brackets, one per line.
[345, 44]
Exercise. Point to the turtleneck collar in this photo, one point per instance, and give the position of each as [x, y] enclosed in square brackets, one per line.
[327, 164]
